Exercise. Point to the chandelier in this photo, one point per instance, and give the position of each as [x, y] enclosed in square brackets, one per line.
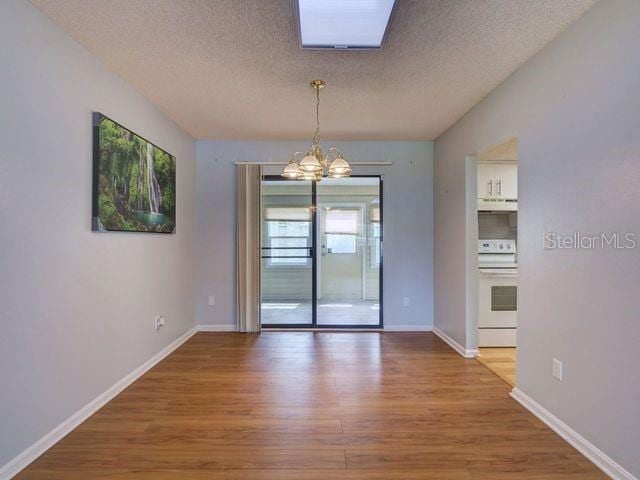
[315, 164]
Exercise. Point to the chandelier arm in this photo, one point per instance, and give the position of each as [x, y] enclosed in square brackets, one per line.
[334, 150]
[293, 157]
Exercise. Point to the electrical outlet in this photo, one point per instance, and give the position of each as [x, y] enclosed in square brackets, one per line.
[212, 300]
[557, 369]
[158, 322]
[405, 301]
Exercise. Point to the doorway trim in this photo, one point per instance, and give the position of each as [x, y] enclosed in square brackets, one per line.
[314, 265]
[471, 261]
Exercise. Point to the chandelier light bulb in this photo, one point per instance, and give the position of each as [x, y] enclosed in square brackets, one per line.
[308, 176]
[310, 164]
[339, 168]
[291, 171]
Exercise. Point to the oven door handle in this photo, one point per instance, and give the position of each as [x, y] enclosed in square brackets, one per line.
[497, 272]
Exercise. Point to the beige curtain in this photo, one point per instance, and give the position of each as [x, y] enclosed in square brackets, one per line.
[248, 240]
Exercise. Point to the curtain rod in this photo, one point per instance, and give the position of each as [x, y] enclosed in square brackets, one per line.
[285, 163]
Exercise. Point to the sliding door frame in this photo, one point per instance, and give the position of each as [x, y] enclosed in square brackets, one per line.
[313, 251]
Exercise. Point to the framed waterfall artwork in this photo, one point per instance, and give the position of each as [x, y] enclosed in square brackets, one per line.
[134, 181]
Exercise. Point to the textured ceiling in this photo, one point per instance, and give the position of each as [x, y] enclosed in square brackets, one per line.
[233, 69]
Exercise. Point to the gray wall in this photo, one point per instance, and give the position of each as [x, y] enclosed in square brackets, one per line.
[77, 307]
[575, 109]
[408, 223]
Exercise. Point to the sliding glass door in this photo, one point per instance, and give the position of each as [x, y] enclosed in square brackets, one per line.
[349, 253]
[286, 283]
[321, 253]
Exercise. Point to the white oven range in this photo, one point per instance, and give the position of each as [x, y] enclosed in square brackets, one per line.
[497, 294]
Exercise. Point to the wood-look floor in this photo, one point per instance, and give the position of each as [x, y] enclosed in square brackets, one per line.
[501, 361]
[321, 406]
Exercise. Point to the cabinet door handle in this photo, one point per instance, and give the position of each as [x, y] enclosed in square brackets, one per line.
[499, 188]
[490, 188]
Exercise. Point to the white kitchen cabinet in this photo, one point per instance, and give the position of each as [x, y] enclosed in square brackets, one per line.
[506, 180]
[485, 180]
[497, 181]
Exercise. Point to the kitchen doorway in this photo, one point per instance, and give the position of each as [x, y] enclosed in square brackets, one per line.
[322, 252]
[492, 215]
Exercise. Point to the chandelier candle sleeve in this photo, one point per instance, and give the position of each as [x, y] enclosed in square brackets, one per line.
[314, 165]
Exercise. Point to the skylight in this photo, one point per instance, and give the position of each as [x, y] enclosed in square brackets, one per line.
[343, 24]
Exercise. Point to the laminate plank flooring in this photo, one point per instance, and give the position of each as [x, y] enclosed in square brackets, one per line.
[314, 406]
[501, 361]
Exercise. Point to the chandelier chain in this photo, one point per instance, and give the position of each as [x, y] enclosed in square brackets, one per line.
[316, 138]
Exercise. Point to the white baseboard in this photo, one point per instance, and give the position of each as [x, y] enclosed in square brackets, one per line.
[466, 353]
[408, 328]
[217, 328]
[323, 329]
[23, 459]
[387, 328]
[586, 448]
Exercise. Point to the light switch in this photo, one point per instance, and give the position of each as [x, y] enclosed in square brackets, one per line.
[557, 369]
